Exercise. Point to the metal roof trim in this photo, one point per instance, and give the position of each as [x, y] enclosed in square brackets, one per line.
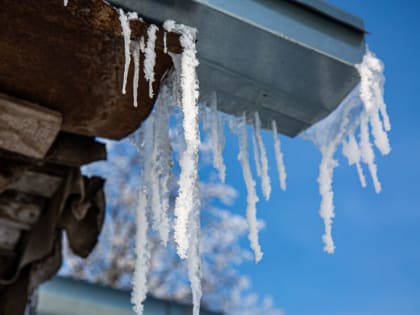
[333, 12]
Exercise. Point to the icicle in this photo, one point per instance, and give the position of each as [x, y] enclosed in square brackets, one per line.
[256, 153]
[367, 154]
[150, 57]
[139, 292]
[371, 92]
[66, 2]
[265, 179]
[332, 131]
[185, 202]
[327, 135]
[194, 264]
[325, 179]
[218, 139]
[162, 165]
[279, 157]
[136, 58]
[126, 32]
[351, 151]
[142, 45]
[165, 47]
[252, 198]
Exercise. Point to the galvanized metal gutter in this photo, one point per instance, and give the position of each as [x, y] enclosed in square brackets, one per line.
[64, 296]
[292, 61]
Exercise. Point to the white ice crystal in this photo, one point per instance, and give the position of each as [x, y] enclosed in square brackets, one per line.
[161, 168]
[126, 32]
[150, 57]
[139, 292]
[187, 201]
[363, 110]
[136, 76]
[213, 126]
[255, 151]
[265, 178]
[281, 169]
[165, 46]
[364, 106]
[252, 198]
[351, 151]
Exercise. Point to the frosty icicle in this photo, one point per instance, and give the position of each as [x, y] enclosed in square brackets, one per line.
[252, 198]
[130, 49]
[187, 203]
[351, 151]
[136, 76]
[281, 169]
[362, 107]
[150, 57]
[265, 178]
[161, 169]
[165, 46]
[255, 151]
[126, 32]
[213, 125]
[188, 181]
[138, 295]
[194, 263]
[371, 93]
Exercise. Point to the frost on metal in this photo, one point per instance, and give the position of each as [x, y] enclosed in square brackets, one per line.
[363, 112]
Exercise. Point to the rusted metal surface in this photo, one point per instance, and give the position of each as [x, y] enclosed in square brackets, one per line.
[70, 59]
[67, 64]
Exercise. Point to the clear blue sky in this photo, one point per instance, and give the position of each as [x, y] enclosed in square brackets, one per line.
[376, 267]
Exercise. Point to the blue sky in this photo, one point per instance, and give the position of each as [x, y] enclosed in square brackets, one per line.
[376, 267]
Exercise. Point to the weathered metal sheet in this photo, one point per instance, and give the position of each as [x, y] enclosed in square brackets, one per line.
[70, 59]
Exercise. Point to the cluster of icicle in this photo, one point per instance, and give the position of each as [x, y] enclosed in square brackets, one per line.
[363, 107]
[363, 112]
[155, 148]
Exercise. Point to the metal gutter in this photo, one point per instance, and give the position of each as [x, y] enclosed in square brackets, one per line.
[65, 296]
[292, 61]
[334, 13]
